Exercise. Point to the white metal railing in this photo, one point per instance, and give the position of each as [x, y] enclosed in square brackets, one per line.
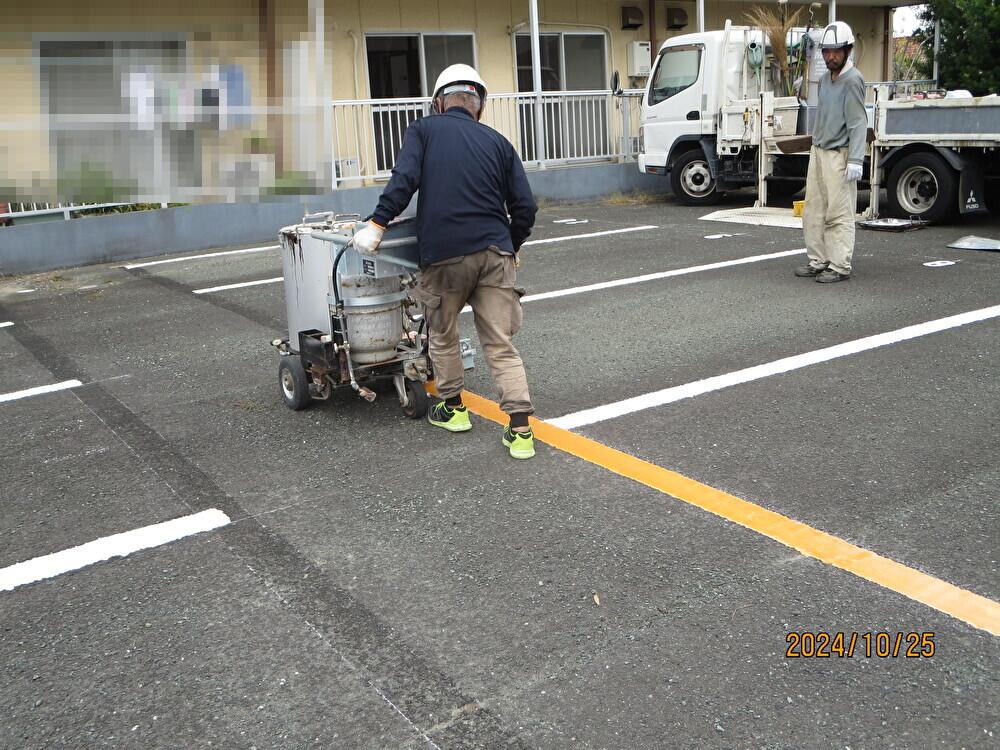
[578, 126]
[26, 210]
[365, 138]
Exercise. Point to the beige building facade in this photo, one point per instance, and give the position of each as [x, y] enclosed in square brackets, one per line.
[216, 96]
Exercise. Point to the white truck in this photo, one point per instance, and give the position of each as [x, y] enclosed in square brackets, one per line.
[709, 122]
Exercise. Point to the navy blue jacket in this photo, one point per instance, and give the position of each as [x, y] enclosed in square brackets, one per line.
[469, 177]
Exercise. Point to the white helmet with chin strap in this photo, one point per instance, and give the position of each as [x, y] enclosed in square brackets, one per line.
[460, 79]
[837, 36]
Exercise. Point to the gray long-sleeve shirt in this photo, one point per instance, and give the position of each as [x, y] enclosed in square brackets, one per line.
[840, 116]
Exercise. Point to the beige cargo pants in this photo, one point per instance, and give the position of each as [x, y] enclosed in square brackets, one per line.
[484, 280]
[828, 218]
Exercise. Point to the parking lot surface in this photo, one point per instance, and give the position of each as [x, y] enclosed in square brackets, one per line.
[733, 460]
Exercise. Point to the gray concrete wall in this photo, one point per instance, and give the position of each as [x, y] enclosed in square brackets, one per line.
[49, 245]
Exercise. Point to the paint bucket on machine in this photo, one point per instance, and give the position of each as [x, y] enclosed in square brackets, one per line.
[798, 207]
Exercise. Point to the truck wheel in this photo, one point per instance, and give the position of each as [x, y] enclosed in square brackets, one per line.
[692, 181]
[922, 186]
[294, 383]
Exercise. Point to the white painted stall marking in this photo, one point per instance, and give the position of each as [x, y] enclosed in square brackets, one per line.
[206, 255]
[591, 234]
[659, 275]
[6, 324]
[223, 288]
[697, 388]
[653, 276]
[117, 545]
[26, 393]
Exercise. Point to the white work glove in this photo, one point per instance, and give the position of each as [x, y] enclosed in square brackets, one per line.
[368, 239]
[853, 172]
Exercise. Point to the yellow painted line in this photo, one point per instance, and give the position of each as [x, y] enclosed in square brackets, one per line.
[971, 608]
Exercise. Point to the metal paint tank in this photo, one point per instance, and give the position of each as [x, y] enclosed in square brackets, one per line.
[374, 308]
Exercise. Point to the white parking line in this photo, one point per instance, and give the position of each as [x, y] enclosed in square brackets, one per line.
[677, 393]
[39, 390]
[591, 234]
[117, 545]
[223, 288]
[206, 255]
[7, 323]
[659, 275]
[652, 277]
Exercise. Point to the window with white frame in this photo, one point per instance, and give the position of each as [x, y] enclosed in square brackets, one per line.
[569, 62]
[406, 65]
[575, 125]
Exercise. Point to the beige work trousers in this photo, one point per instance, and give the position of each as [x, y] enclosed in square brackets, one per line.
[828, 218]
[484, 280]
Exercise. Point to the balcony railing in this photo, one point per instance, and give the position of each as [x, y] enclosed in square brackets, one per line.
[208, 153]
[577, 126]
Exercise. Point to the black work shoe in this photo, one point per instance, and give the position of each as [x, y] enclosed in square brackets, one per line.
[521, 444]
[453, 420]
[830, 276]
[808, 270]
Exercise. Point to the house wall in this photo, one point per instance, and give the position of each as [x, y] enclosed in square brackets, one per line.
[230, 31]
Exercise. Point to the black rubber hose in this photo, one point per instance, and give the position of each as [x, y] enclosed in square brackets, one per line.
[336, 264]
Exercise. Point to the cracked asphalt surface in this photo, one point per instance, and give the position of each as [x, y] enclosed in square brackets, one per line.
[383, 585]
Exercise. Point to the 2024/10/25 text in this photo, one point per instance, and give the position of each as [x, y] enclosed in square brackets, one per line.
[823, 645]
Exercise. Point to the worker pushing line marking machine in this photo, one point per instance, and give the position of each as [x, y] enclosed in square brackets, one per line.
[351, 320]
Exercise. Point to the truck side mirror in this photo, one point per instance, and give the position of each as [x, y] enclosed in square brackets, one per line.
[616, 88]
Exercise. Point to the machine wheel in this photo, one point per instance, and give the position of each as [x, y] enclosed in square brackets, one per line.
[294, 383]
[922, 186]
[691, 180]
[417, 395]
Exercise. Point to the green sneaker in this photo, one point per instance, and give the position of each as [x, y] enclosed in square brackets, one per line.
[453, 420]
[521, 444]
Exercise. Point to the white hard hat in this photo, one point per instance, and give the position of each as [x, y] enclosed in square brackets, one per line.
[837, 36]
[459, 77]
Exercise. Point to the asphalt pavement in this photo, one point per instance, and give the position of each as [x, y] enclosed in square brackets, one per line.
[382, 584]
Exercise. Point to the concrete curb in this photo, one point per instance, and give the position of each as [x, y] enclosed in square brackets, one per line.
[46, 246]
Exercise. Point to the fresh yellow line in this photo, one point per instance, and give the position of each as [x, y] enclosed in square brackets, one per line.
[976, 610]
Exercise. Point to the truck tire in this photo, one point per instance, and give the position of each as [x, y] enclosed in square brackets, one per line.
[922, 186]
[691, 180]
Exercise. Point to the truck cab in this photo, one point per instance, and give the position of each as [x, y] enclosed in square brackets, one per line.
[694, 77]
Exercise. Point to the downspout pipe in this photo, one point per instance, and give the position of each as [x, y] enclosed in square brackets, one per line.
[652, 28]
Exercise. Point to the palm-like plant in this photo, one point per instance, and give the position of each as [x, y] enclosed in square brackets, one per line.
[776, 25]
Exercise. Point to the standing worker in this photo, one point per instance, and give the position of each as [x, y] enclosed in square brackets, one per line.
[835, 161]
[470, 178]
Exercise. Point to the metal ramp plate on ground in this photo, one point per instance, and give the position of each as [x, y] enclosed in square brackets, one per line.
[760, 217]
